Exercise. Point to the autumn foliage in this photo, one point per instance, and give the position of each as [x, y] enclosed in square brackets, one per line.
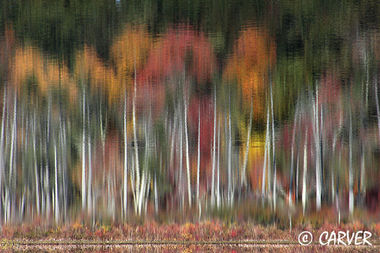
[253, 56]
[178, 50]
[31, 66]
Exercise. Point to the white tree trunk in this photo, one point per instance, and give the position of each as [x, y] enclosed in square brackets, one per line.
[350, 172]
[56, 201]
[125, 176]
[35, 166]
[377, 108]
[89, 184]
[273, 154]
[84, 154]
[229, 189]
[244, 173]
[137, 167]
[218, 198]
[292, 158]
[187, 155]
[213, 156]
[318, 161]
[266, 155]
[199, 153]
[304, 187]
[362, 173]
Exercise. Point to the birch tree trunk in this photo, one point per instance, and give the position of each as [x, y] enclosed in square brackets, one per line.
[350, 172]
[213, 156]
[304, 187]
[244, 173]
[218, 198]
[230, 193]
[273, 155]
[89, 184]
[187, 154]
[292, 158]
[180, 180]
[56, 200]
[84, 153]
[377, 107]
[137, 167]
[266, 155]
[362, 173]
[199, 154]
[2, 163]
[35, 166]
[125, 176]
[317, 138]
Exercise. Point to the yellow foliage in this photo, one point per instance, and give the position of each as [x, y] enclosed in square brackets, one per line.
[255, 158]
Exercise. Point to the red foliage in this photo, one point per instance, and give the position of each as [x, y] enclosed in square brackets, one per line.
[149, 96]
[172, 53]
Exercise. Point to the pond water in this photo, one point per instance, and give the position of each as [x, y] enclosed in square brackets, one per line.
[181, 110]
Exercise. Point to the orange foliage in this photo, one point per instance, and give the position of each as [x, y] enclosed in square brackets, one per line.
[254, 55]
[44, 72]
[90, 67]
[128, 52]
[255, 160]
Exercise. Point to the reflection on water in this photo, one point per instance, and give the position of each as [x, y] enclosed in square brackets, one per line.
[188, 116]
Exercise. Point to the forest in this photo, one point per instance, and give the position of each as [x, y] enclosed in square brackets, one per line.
[133, 112]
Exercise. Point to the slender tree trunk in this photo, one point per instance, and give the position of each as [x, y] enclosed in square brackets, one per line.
[292, 158]
[13, 137]
[133, 187]
[273, 155]
[155, 194]
[2, 164]
[173, 138]
[362, 173]
[229, 186]
[304, 187]
[218, 198]
[89, 184]
[84, 153]
[187, 154]
[297, 177]
[56, 201]
[317, 138]
[199, 153]
[243, 173]
[35, 166]
[350, 173]
[366, 83]
[125, 178]
[377, 107]
[180, 180]
[213, 155]
[137, 168]
[266, 153]
[2, 156]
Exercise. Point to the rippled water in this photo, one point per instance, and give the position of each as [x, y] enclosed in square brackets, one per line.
[183, 110]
